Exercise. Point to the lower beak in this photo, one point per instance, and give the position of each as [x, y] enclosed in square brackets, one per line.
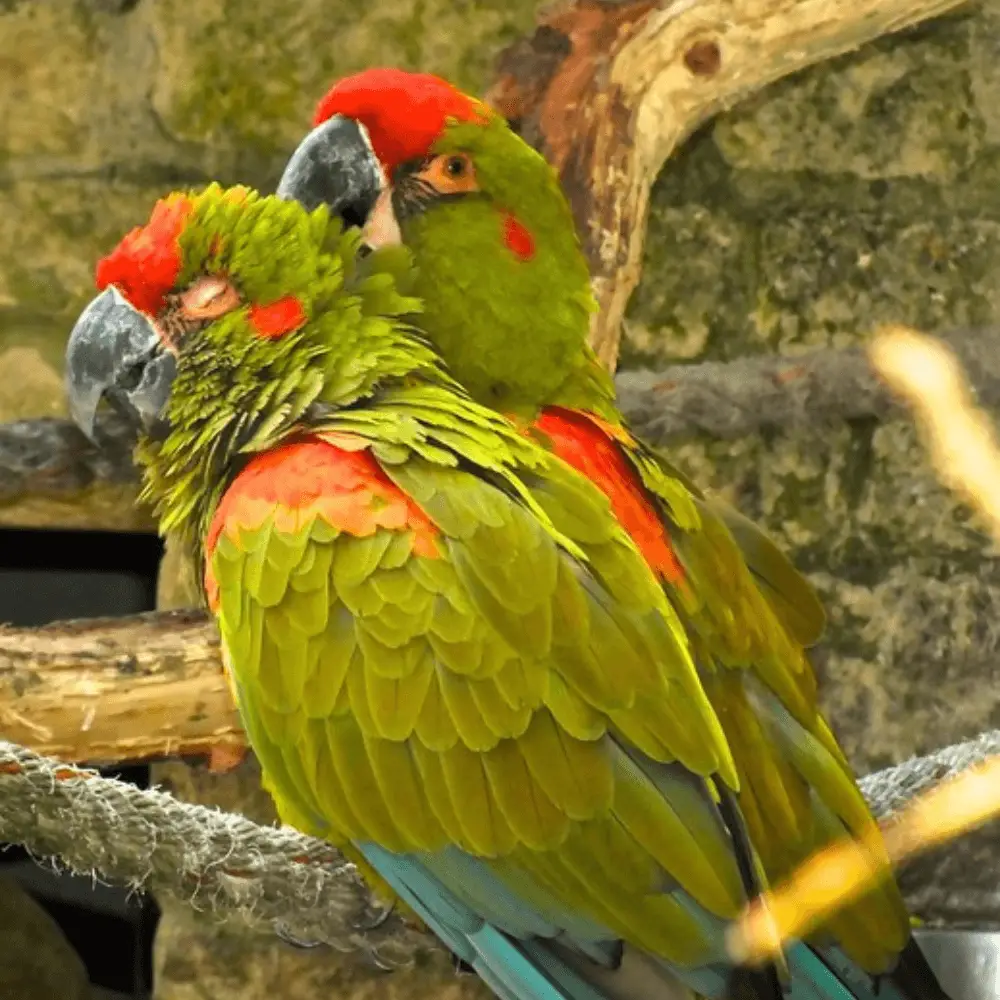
[114, 351]
[336, 166]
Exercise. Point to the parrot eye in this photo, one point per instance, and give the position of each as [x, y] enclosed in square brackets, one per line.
[452, 173]
[208, 297]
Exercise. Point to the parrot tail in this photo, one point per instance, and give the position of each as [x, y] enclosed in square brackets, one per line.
[746, 983]
[535, 964]
[814, 974]
[754, 984]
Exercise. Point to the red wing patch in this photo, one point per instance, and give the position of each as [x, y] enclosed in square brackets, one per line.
[589, 445]
[301, 480]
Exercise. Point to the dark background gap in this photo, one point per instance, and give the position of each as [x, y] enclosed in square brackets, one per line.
[45, 576]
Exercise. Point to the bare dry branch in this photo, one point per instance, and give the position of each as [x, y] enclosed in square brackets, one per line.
[104, 690]
[51, 475]
[608, 90]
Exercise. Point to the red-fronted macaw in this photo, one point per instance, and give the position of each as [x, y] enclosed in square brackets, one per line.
[506, 299]
[451, 656]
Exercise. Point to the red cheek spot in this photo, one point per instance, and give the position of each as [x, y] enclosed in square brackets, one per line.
[278, 318]
[517, 238]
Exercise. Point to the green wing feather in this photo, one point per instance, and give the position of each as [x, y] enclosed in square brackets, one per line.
[487, 698]
[535, 695]
[750, 615]
[790, 595]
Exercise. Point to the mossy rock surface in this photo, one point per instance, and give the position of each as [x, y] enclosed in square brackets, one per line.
[109, 104]
[859, 192]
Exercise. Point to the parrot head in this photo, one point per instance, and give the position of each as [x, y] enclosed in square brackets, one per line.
[226, 320]
[505, 285]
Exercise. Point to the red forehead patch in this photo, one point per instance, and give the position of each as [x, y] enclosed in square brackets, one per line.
[145, 264]
[404, 113]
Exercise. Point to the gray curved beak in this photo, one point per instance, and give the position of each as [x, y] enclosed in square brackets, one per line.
[114, 351]
[334, 165]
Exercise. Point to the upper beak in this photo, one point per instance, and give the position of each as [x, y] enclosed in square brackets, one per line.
[115, 351]
[334, 165]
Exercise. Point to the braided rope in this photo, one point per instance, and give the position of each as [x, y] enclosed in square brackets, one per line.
[271, 876]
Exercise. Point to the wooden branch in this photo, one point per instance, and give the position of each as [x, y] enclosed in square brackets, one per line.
[110, 689]
[726, 400]
[606, 91]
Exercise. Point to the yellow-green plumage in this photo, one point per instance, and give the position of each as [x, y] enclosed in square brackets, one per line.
[465, 702]
[745, 614]
[454, 660]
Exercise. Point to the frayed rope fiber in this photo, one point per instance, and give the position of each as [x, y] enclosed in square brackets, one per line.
[271, 876]
[216, 861]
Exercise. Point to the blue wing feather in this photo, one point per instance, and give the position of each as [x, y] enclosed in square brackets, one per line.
[510, 950]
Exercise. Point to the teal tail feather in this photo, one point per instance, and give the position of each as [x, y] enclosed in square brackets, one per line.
[523, 955]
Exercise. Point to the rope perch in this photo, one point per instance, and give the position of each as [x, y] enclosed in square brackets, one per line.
[216, 861]
[269, 876]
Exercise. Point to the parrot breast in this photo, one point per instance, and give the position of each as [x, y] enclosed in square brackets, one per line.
[299, 481]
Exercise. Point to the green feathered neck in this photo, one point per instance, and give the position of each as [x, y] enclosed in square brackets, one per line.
[512, 330]
[236, 392]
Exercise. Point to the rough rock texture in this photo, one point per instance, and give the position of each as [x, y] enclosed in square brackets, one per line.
[861, 191]
[107, 104]
[36, 962]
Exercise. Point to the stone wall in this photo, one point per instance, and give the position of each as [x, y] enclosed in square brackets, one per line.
[107, 104]
[861, 191]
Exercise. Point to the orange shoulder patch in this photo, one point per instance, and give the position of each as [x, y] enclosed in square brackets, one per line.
[301, 480]
[594, 448]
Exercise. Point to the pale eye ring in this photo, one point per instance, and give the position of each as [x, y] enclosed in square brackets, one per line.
[208, 297]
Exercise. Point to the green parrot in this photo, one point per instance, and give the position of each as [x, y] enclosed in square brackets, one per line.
[451, 654]
[506, 300]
